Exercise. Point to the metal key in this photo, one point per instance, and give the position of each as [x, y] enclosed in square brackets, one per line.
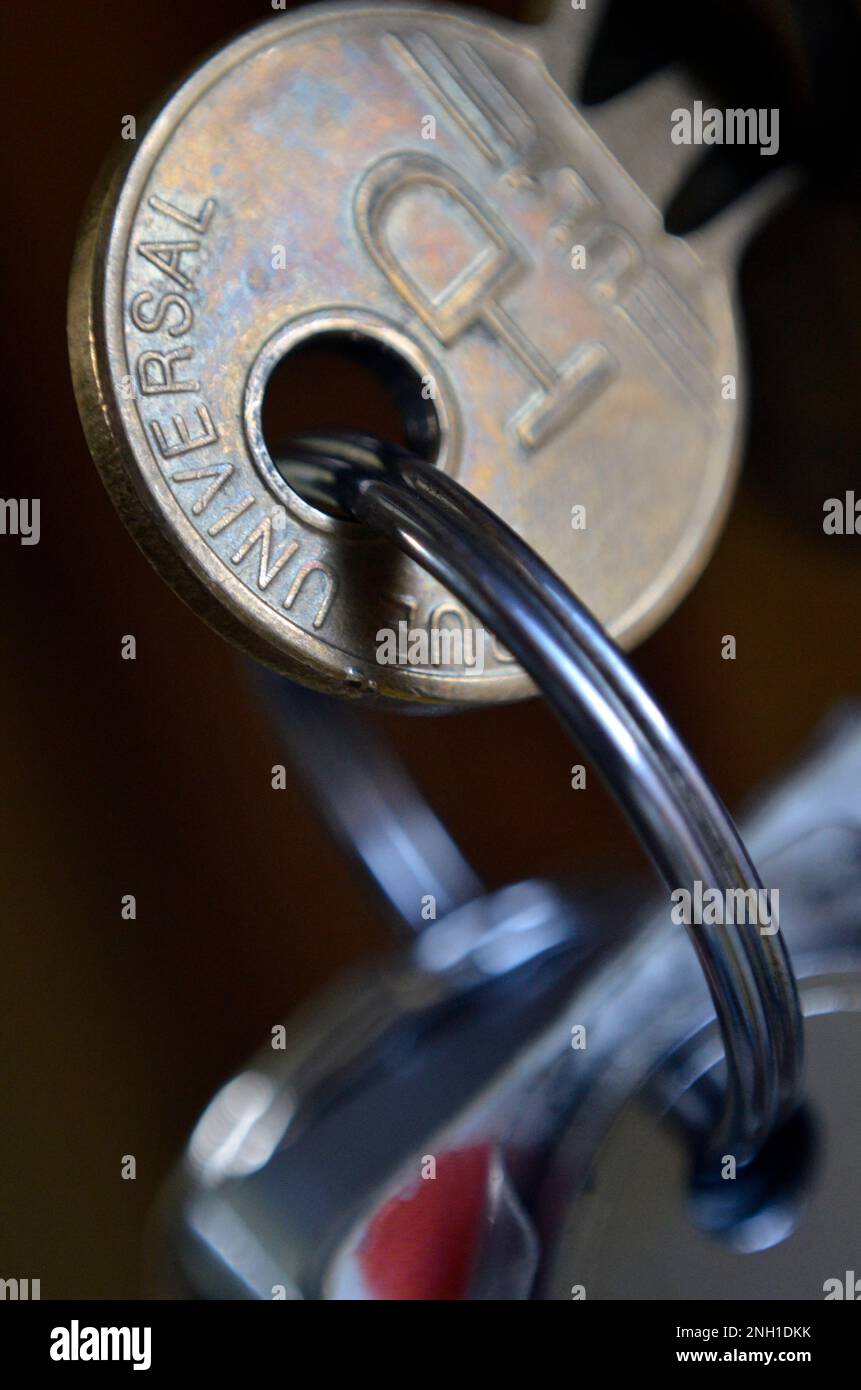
[559, 1170]
[413, 183]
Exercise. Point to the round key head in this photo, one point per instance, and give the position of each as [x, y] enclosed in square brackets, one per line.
[411, 187]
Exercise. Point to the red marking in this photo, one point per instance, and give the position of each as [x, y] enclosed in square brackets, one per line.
[421, 1244]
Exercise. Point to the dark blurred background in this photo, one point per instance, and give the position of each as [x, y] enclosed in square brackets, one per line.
[152, 777]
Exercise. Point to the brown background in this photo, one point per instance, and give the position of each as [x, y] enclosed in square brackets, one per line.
[152, 777]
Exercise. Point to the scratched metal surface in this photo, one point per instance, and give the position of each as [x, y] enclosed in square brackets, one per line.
[555, 386]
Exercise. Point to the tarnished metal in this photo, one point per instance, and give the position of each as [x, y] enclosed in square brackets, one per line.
[413, 178]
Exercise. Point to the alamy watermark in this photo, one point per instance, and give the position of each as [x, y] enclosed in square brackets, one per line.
[706, 125]
[847, 1287]
[21, 517]
[458, 647]
[20, 1290]
[842, 515]
[77, 1343]
[718, 907]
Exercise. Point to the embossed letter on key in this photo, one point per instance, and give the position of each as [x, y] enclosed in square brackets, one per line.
[435, 193]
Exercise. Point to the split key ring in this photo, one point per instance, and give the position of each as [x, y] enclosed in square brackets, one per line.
[592, 688]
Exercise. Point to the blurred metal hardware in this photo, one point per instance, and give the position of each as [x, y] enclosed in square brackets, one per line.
[291, 1151]
[305, 1176]
[617, 1208]
[369, 801]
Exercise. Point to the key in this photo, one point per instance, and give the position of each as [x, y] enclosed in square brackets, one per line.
[413, 187]
[785, 1228]
[534, 1067]
[518, 947]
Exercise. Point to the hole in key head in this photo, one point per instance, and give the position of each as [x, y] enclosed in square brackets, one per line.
[761, 1205]
[346, 382]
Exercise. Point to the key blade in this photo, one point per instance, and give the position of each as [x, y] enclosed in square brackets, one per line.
[565, 41]
[637, 126]
[722, 240]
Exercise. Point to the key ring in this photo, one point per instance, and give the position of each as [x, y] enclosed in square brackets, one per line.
[594, 691]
